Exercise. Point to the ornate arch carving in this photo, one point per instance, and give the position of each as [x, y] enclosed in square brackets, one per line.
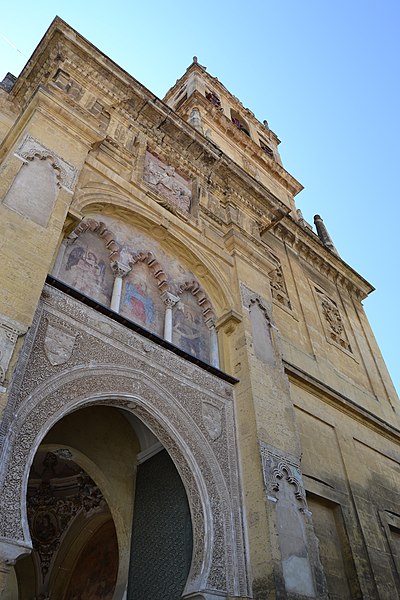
[208, 496]
[170, 403]
[31, 149]
[100, 229]
[155, 269]
[202, 299]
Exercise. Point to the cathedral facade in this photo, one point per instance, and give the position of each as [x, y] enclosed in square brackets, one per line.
[192, 402]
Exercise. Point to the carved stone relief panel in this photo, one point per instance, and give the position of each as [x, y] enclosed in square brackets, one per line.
[284, 487]
[35, 187]
[10, 330]
[276, 467]
[58, 344]
[264, 341]
[33, 191]
[164, 179]
[278, 286]
[66, 173]
[332, 320]
[188, 409]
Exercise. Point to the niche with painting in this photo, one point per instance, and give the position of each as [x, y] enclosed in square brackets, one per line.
[86, 267]
[141, 301]
[190, 332]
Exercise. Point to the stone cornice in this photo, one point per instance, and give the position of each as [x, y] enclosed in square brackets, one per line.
[308, 246]
[257, 254]
[42, 101]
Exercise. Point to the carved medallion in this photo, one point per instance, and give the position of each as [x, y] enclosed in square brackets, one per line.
[212, 420]
[58, 345]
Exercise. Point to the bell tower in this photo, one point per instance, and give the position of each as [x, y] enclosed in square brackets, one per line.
[207, 105]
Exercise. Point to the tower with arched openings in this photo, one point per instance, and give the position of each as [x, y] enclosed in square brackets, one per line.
[192, 402]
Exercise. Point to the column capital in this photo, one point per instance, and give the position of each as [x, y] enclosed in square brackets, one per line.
[119, 269]
[210, 322]
[169, 299]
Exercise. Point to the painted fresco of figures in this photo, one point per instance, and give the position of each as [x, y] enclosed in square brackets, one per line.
[95, 573]
[86, 268]
[189, 330]
[141, 301]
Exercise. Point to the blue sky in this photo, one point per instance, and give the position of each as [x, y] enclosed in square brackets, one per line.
[324, 74]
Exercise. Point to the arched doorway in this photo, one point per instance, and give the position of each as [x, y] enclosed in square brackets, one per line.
[96, 471]
[189, 409]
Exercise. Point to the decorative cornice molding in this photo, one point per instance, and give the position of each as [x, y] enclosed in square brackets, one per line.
[148, 114]
[330, 265]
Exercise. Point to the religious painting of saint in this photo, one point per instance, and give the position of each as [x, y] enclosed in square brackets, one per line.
[95, 573]
[86, 268]
[189, 330]
[141, 300]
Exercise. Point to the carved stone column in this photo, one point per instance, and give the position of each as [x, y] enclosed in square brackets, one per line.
[169, 300]
[214, 353]
[120, 270]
